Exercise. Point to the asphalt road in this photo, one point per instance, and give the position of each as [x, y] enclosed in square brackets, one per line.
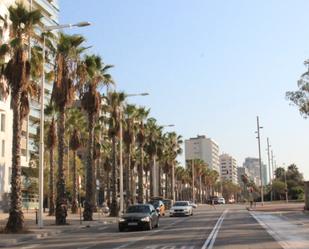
[226, 227]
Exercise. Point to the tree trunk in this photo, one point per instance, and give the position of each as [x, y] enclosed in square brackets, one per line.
[147, 191]
[173, 182]
[114, 205]
[166, 186]
[15, 222]
[127, 179]
[61, 202]
[88, 210]
[75, 187]
[51, 211]
[108, 189]
[132, 185]
[140, 178]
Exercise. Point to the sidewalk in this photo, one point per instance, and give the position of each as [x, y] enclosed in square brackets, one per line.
[278, 207]
[49, 229]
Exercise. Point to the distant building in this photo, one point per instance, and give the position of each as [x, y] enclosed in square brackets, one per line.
[203, 148]
[253, 167]
[228, 168]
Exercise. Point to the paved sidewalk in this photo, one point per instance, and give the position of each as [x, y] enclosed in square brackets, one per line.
[49, 229]
[278, 207]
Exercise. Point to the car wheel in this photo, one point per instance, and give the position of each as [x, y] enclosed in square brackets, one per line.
[121, 229]
[192, 213]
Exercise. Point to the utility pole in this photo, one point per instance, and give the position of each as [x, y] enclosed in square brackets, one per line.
[270, 172]
[260, 160]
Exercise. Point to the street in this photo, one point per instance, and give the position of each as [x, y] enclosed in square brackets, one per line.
[222, 227]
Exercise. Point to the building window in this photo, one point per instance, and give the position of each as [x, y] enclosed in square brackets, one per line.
[3, 148]
[2, 122]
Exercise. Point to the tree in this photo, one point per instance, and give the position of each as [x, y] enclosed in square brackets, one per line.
[142, 114]
[300, 97]
[153, 132]
[92, 73]
[50, 110]
[129, 140]
[63, 94]
[114, 102]
[15, 76]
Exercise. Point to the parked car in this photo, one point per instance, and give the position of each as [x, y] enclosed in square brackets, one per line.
[194, 205]
[159, 206]
[181, 208]
[142, 216]
[221, 200]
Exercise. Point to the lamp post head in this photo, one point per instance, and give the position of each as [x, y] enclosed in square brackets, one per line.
[82, 24]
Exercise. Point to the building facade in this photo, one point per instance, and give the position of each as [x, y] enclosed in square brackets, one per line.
[228, 168]
[50, 12]
[205, 149]
[253, 166]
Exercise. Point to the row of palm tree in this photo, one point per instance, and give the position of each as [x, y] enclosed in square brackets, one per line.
[81, 119]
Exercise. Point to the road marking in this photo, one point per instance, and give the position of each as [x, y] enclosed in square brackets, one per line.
[147, 235]
[213, 235]
[31, 246]
[285, 233]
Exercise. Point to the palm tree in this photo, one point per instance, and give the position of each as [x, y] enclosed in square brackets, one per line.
[142, 114]
[63, 94]
[92, 73]
[129, 140]
[174, 149]
[50, 110]
[114, 101]
[16, 78]
[75, 144]
[153, 134]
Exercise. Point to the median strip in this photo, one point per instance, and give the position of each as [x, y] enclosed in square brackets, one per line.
[213, 235]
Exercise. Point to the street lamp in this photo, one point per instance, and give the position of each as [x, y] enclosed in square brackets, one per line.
[260, 160]
[120, 151]
[41, 153]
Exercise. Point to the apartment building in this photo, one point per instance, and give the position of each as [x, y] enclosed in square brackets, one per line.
[253, 166]
[50, 12]
[228, 168]
[203, 148]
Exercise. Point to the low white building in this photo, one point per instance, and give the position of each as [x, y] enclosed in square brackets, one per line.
[228, 167]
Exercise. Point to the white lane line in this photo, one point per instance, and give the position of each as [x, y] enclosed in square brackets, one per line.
[213, 235]
[275, 235]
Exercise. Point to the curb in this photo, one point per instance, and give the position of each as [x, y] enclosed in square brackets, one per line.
[41, 235]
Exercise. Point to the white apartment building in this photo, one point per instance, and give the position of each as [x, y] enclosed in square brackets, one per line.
[228, 167]
[50, 11]
[203, 148]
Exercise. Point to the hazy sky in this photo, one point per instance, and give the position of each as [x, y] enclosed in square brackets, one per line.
[210, 66]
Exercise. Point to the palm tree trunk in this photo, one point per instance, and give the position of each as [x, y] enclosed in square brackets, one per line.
[114, 204]
[127, 174]
[61, 202]
[173, 182]
[146, 178]
[200, 179]
[159, 180]
[88, 210]
[75, 187]
[51, 183]
[132, 185]
[16, 219]
[140, 178]
[108, 189]
[166, 186]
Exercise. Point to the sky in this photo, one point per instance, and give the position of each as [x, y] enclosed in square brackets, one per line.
[211, 67]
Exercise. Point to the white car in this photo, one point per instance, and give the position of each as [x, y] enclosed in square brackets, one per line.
[221, 200]
[181, 208]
